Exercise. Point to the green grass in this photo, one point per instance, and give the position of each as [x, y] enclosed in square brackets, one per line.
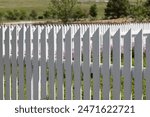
[100, 7]
[26, 5]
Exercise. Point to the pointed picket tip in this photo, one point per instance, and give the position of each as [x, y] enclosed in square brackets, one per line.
[29, 29]
[77, 34]
[86, 32]
[36, 31]
[43, 32]
[7, 30]
[96, 34]
[107, 33]
[7, 35]
[139, 35]
[68, 34]
[14, 35]
[59, 32]
[148, 37]
[117, 34]
[51, 35]
[52, 30]
[128, 33]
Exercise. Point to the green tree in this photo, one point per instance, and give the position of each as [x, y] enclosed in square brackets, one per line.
[117, 9]
[46, 14]
[79, 13]
[1, 16]
[23, 15]
[147, 6]
[10, 15]
[147, 3]
[93, 10]
[138, 11]
[62, 9]
[33, 14]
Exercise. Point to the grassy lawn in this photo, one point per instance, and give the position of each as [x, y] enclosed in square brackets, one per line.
[27, 5]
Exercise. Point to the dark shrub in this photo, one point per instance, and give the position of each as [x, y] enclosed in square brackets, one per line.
[117, 9]
[33, 14]
[23, 15]
[93, 10]
[46, 14]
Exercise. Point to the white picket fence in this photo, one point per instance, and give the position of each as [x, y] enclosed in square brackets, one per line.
[72, 61]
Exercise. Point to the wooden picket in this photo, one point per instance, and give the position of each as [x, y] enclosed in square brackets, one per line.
[138, 66]
[21, 62]
[35, 80]
[96, 64]
[127, 66]
[106, 65]
[28, 62]
[86, 65]
[64, 62]
[59, 66]
[14, 64]
[116, 65]
[77, 65]
[148, 68]
[68, 66]
[7, 63]
[51, 64]
[43, 63]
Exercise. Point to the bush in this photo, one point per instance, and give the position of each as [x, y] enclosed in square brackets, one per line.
[62, 9]
[33, 14]
[46, 14]
[23, 15]
[79, 13]
[117, 9]
[147, 7]
[2, 15]
[40, 17]
[16, 14]
[93, 10]
[138, 12]
[10, 15]
[147, 3]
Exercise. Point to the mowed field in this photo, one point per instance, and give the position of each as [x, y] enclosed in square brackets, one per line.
[27, 5]
[42, 5]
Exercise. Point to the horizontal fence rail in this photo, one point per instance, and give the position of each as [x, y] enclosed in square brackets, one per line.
[75, 62]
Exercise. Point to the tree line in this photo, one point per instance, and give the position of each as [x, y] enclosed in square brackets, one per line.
[69, 10]
[122, 8]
